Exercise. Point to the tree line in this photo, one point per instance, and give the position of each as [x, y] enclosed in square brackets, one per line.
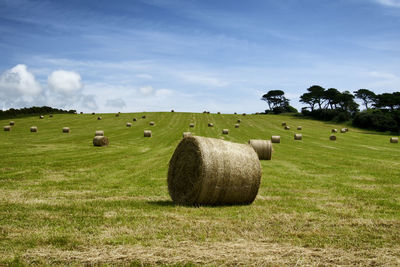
[382, 111]
[11, 113]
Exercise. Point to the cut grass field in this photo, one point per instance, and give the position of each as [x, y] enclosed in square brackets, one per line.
[64, 201]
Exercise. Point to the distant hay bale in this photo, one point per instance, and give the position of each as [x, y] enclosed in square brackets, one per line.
[93, 113]
[343, 130]
[347, 129]
[191, 125]
[218, 112]
[283, 123]
[151, 123]
[275, 139]
[235, 113]
[208, 171]
[117, 115]
[334, 130]
[299, 128]
[99, 118]
[66, 130]
[147, 133]
[237, 125]
[257, 113]
[128, 124]
[244, 114]
[81, 112]
[99, 133]
[208, 112]
[51, 115]
[134, 119]
[7, 128]
[12, 123]
[100, 141]
[225, 131]
[187, 134]
[298, 136]
[263, 148]
[210, 124]
[332, 137]
[34, 129]
[239, 120]
[41, 117]
[287, 127]
[205, 111]
[172, 110]
[394, 140]
[144, 117]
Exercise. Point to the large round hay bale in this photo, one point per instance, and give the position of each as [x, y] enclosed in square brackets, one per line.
[134, 119]
[263, 148]
[332, 137]
[299, 128]
[208, 171]
[99, 133]
[283, 123]
[334, 130]
[144, 117]
[237, 125]
[298, 136]
[34, 129]
[191, 125]
[99, 118]
[187, 134]
[7, 128]
[66, 130]
[41, 117]
[239, 121]
[287, 127]
[12, 123]
[275, 139]
[128, 124]
[343, 130]
[210, 124]
[394, 140]
[100, 141]
[225, 131]
[147, 133]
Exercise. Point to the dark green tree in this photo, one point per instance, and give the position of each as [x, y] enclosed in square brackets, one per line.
[275, 98]
[367, 96]
[331, 96]
[314, 96]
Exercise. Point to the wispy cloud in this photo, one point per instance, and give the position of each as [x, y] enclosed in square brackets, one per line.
[389, 3]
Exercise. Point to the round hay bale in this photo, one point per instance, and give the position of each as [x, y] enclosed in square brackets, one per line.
[298, 136]
[12, 123]
[191, 125]
[347, 129]
[93, 113]
[334, 131]
[210, 124]
[144, 117]
[134, 119]
[283, 123]
[41, 117]
[66, 130]
[34, 129]
[394, 140]
[99, 133]
[343, 130]
[208, 171]
[263, 148]
[218, 112]
[151, 123]
[239, 121]
[187, 134]
[225, 131]
[237, 125]
[299, 128]
[287, 127]
[235, 113]
[332, 137]
[147, 133]
[7, 128]
[81, 112]
[128, 124]
[51, 115]
[244, 114]
[100, 141]
[117, 115]
[275, 139]
[172, 110]
[99, 118]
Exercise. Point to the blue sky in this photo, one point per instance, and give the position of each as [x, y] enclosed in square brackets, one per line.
[192, 55]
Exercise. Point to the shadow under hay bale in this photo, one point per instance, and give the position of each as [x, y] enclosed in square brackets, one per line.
[187, 134]
[263, 148]
[7, 128]
[99, 133]
[334, 131]
[225, 131]
[34, 129]
[147, 133]
[332, 137]
[134, 119]
[12, 123]
[128, 124]
[210, 124]
[66, 130]
[275, 139]
[298, 136]
[99, 118]
[208, 171]
[394, 140]
[100, 141]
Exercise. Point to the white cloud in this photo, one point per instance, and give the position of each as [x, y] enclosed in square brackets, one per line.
[116, 103]
[146, 90]
[164, 92]
[65, 82]
[391, 3]
[383, 75]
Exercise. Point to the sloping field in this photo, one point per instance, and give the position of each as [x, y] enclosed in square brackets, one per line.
[64, 201]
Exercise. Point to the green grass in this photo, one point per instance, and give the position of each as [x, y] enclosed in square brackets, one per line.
[64, 201]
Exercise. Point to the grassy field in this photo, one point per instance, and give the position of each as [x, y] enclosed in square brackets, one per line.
[64, 201]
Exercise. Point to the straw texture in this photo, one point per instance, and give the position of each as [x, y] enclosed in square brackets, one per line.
[99, 118]
[41, 117]
[283, 123]
[275, 139]
[208, 171]
[287, 127]
[394, 140]
[99, 133]
[7, 128]
[343, 130]
[100, 141]
[187, 134]
[263, 148]
[151, 123]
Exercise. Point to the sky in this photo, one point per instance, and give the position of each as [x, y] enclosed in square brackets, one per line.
[192, 55]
